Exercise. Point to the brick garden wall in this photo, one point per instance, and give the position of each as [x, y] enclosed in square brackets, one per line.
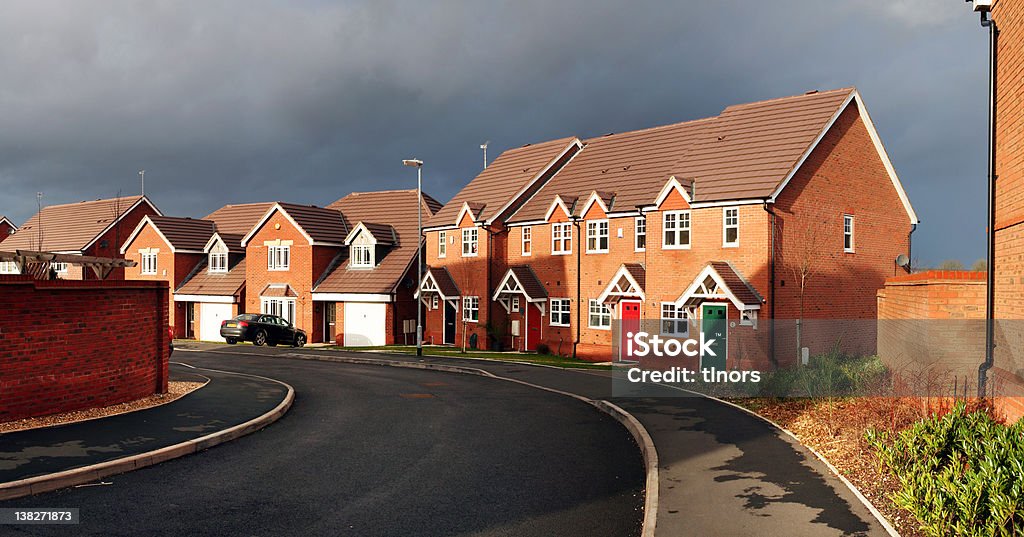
[68, 345]
[935, 321]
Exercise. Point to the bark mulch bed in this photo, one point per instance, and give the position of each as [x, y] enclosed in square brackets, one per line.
[174, 391]
[835, 428]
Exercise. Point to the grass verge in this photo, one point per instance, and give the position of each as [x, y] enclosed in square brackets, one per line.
[451, 352]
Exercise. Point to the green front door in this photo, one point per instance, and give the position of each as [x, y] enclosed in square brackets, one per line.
[714, 325]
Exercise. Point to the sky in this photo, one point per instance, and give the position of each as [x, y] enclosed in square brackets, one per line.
[232, 102]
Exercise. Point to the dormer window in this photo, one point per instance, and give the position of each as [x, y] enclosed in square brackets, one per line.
[362, 255]
[219, 262]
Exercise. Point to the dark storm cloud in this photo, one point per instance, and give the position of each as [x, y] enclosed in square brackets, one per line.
[241, 101]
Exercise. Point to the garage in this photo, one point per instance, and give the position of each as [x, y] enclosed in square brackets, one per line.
[365, 324]
[210, 317]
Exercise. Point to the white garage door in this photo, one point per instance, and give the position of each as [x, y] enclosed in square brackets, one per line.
[210, 317]
[365, 324]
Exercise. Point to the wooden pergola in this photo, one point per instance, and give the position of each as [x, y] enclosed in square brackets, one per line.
[101, 266]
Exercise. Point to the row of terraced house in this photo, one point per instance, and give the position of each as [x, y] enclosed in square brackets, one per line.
[558, 244]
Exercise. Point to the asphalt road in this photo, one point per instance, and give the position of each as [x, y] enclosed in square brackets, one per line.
[368, 450]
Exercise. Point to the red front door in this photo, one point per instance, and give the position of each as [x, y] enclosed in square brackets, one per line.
[629, 315]
[533, 325]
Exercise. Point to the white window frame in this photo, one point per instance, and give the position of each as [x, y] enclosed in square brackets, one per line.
[561, 307]
[218, 262]
[9, 267]
[726, 226]
[672, 317]
[442, 244]
[748, 318]
[59, 267]
[526, 248]
[282, 307]
[471, 309]
[848, 233]
[470, 241]
[561, 238]
[515, 304]
[362, 256]
[147, 264]
[279, 258]
[601, 312]
[676, 229]
[639, 230]
[597, 230]
[434, 302]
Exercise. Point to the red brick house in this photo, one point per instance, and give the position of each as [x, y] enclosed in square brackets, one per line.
[701, 224]
[366, 293]
[88, 228]
[286, 252]
[199, 261]
[7, 228]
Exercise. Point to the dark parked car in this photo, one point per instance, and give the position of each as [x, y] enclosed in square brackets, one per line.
[261, 329]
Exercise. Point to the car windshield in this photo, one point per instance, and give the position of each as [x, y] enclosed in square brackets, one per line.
[246, 317]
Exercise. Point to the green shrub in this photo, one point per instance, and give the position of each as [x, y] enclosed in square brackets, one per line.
[832, 374]
[959, 474]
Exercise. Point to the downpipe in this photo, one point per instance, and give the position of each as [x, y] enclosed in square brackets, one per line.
[990, 292]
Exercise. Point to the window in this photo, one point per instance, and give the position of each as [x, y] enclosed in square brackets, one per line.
[848, 233]
[677, 230]
[282, 307]
[9, 267]
[218, 262]
[515, 304]
[674, 320]
[597, 236]
[471, 309]
[62, 268]
[278, 257]
[641, 233]
[730, 227]
[148, 264]
[362, 255]
[470, 237]
[600, 315]
[434, 302]
[561, 238]
[442, 243]
[560, 312]
[748, 318]
[527, 240]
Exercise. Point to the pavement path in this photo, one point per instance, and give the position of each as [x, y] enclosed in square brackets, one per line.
[367, 450]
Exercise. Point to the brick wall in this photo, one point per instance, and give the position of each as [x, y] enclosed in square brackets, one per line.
[68, 345]
[170, 267]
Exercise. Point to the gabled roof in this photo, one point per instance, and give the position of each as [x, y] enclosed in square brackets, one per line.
[73, 227]
[394, 208]
[238, 219]
[202, 282]
[278, 290]
[720, 280]
[320, 226]
[232, 241]
[5, 220]
[748, 152]
[520, 279]
[505, 180]
[383, 234]
[183, 235]
[440, 281]
[628, 282]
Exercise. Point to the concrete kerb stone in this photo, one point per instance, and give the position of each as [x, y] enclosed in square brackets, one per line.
[95, 472]
[632, 425]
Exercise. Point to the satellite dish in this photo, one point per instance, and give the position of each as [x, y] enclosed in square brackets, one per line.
[902, 261]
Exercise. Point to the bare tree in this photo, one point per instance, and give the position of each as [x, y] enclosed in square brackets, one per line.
[803, 263]
[951, 264]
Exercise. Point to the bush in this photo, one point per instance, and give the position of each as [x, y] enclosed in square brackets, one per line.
[542, 348]
[832, 374]
[960, 474]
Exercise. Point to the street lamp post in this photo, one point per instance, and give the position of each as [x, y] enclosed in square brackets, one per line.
[418, 164]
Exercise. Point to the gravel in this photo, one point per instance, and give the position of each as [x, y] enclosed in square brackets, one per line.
[174, 391]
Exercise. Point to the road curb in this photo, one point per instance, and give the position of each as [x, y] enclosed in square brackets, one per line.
[632, 425]
[95, 472]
